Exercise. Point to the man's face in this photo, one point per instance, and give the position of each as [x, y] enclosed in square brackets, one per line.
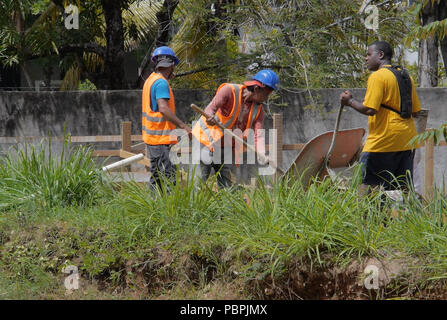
[171, 72]
[373, 58]
[261, 95]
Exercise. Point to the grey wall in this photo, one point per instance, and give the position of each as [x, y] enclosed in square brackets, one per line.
[101, 112]
[83, 113]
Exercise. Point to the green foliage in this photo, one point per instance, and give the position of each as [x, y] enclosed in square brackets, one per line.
[311, 44]
[434, 135]
[437, 28]
[159, 212]
[188, 233]
[34, 177]
[86, 85]
[36, 28]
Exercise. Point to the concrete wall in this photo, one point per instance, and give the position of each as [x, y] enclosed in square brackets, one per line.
[82, 113]
[101, 113]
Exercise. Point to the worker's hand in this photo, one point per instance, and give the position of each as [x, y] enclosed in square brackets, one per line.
[211, 120]
[188, 130]
[345, 98]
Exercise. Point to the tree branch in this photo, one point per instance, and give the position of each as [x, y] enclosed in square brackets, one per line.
[60, 5]
[164, 18]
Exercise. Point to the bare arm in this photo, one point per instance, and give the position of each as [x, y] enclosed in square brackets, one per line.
[220, 102]
[258, 127]
[356, 105]
[346, 99]
[163, 107]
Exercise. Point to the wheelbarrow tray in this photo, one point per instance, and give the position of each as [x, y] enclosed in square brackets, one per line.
[311, 158]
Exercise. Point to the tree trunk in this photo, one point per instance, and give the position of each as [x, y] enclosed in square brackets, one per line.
[164, 18]
[442, 14]
[114, 55]
[428, 50]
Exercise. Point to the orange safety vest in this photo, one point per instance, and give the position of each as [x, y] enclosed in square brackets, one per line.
[209, 135]
[156, 129]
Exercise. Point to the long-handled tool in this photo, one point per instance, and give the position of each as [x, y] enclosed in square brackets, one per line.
[239, 139]
[326, 160]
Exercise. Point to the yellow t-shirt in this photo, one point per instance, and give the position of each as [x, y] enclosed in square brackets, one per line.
[388, 131]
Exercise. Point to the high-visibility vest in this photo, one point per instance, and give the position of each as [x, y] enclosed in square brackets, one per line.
[156, 129]
[209, 135]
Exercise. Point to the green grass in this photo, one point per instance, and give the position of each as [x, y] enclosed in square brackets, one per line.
[130, 241]
[34, 178]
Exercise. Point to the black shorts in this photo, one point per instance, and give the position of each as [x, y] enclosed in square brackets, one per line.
[392, 170]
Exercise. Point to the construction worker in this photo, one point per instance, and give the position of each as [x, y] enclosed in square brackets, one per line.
[390, 106]
[159, 119]
[236, 106]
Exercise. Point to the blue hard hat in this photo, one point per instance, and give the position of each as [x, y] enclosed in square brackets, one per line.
[267, 77]
[164, 51]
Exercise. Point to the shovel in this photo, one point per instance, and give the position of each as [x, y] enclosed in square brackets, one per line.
[239, 139]
[324, 167]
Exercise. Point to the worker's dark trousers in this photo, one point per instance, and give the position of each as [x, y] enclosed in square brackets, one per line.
[223, 173]
[161, 164]
[222, 169]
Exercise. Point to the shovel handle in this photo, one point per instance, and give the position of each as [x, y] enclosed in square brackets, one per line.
[206, 115]
[239, 139]
[331, 147]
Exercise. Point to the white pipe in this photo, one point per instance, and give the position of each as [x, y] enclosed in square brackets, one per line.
[124, 162]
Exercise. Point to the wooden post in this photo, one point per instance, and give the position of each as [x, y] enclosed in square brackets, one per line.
[126, 142]
[253, 182]
[278, 126]
[126, 139]
[429, 169]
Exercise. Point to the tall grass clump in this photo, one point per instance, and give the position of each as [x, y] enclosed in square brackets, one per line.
[289, 221]
[421, 232]
[36, 178]
[177, 211]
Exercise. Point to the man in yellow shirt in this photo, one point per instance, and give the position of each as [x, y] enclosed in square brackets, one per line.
[386, 154]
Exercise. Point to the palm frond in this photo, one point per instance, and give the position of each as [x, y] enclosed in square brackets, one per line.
[140, 21]
[71, 78]
[193, 42]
